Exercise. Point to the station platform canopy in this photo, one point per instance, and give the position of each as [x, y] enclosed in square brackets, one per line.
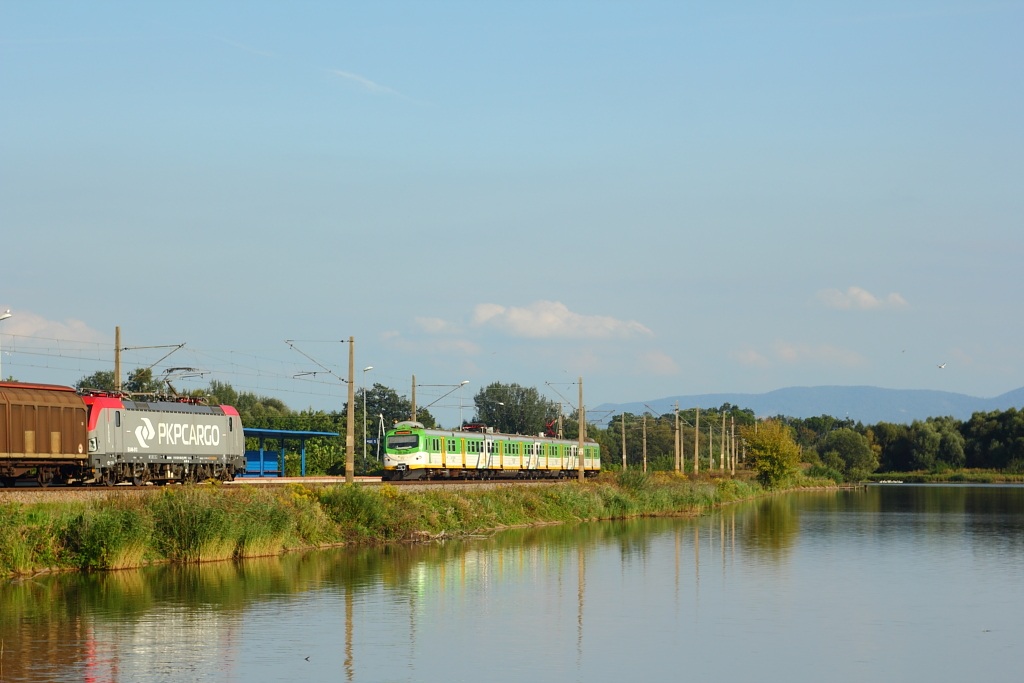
[264, 462]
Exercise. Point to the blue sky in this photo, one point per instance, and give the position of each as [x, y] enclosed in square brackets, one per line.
[664, 198]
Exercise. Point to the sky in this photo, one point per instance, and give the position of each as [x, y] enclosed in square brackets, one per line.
[661, 198]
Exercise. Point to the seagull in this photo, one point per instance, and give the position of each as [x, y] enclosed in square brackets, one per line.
[941, 365]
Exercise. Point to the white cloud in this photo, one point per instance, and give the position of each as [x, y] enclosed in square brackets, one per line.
[548, 319]
[860, 299]
[28, 324]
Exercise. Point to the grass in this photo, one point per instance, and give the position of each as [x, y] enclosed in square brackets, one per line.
[207, 522]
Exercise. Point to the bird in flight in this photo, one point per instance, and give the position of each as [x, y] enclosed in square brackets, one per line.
[941, 365]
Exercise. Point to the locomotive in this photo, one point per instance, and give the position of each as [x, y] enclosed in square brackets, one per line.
[477, 452]
[106, 438]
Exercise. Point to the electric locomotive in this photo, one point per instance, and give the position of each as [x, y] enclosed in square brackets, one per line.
[412, 451]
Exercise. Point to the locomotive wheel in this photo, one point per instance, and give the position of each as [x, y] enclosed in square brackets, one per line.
[44, 476]
[140, 476]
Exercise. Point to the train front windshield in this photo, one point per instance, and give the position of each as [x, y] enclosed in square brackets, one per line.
[403, 442]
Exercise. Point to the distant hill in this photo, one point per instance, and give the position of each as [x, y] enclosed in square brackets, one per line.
[868, 405]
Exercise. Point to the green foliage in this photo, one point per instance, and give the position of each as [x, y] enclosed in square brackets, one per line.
[113, 535]
[102, 381]
[633, 480]
[822, 471]
[849, 452]
[364, 513]
[773, 452]
[192, 525]
[514, 409]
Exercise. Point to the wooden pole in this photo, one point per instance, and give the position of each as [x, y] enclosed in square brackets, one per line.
[721, 464]
[117, 359]
[350, 423]
[583, 429]
[696, 443]
[623, 418]
[677, 444]
[645, 442]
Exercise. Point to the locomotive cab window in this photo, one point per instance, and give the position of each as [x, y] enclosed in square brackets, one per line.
[403, 442]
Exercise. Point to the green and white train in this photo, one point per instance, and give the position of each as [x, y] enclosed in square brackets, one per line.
[412, 451]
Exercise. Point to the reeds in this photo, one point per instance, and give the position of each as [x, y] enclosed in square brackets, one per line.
[203, 523]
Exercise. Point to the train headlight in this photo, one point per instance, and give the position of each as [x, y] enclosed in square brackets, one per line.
[94, 444]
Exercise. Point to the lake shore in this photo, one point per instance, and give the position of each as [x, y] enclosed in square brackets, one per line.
[207, 522]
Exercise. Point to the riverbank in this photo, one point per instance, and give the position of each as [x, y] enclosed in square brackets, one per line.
[963, 476]
[211, 522]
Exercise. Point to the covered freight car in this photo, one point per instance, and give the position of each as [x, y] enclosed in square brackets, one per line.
[43, 428]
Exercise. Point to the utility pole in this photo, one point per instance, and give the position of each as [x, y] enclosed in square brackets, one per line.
[721, 464]
[583, 429]
[677, 444]
[117, 359]
[413, 418]
[696, 443]
[623, 418]
[350, 437]
[732, 443]
[645, 442]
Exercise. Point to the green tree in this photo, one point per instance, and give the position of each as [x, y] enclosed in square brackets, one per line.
[513, 409]
[139, 381]
[383, 402]
[849, 450]
[102, 380]
[772, 451]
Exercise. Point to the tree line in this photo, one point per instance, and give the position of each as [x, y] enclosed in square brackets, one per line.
[840, 449]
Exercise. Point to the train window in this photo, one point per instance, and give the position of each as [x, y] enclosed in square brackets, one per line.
[231, 424]
[403, 442]
[117, 418]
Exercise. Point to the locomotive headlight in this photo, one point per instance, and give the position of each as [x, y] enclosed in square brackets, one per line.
[94, 444]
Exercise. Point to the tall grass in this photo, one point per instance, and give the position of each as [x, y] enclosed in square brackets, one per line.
[112, 535]
[191, 524]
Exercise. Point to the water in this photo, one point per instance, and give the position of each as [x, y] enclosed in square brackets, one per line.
[895, 583]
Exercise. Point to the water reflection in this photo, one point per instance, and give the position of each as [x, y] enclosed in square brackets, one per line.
[589, 602]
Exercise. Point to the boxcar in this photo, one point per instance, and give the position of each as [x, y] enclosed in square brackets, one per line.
[43, 428]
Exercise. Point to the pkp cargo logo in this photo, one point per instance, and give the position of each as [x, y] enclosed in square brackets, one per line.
[144, 432]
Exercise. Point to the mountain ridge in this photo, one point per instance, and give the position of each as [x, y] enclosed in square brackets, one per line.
[865, 404]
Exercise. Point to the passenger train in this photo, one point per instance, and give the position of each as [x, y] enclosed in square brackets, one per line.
[61, 437]
[412, 451]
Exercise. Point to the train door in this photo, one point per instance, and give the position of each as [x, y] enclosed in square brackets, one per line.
[534, 462]
[488, 454]
[117, 443]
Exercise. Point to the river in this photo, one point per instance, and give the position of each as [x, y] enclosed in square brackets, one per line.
[887, 583]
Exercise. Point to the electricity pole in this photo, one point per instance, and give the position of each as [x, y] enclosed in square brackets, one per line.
[350, 437]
